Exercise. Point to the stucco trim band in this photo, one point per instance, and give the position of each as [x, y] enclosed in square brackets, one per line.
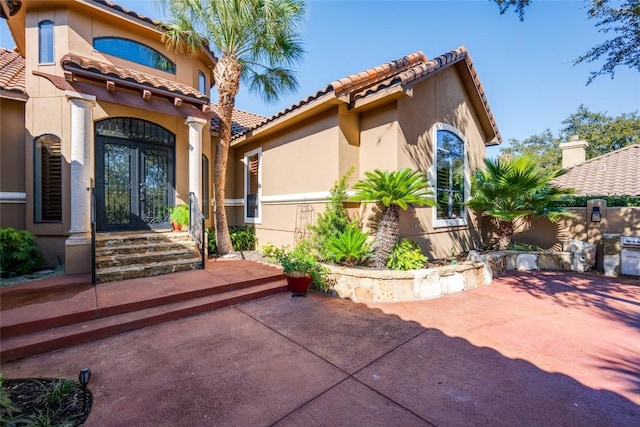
[12, 197]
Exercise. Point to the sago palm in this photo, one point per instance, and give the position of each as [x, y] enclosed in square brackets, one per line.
[394, 190]
[256, 42]
[509, 189]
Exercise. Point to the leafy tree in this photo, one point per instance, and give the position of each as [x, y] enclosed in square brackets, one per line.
[509, 189]
[603, 133]
[545, 147]
[624, 48]
[394, 190]
[620, 18]
[257, 41]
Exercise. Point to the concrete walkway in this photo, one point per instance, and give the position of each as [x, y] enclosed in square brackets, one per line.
[532, 349]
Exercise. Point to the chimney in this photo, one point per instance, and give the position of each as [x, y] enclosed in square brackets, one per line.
[573, 151]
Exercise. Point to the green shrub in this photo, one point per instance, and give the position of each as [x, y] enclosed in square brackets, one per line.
[349, 247]
[334, 219]
[612, 201]
[406, 255]
[20, 254]
[243, 238]
[515, 246]
[272, 252]
[303, 260]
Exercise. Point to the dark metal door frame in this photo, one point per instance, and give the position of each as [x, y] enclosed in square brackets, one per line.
[138, 196]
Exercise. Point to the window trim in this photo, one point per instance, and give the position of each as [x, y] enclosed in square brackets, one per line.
[433, 174]
[203, 88]
[163, 56]
[41, 24]
[245, 160]
[37, 179]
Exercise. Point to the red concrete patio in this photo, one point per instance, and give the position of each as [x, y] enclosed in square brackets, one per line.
[531, 349]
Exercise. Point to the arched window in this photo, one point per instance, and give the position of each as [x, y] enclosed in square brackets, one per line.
[134, 51]
[48, 179]
[450, 176]
[45, 42]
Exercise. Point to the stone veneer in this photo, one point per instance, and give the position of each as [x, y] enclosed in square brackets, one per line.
[365, 285]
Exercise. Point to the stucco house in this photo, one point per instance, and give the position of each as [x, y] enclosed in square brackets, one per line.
[92, 99]
[430, 115]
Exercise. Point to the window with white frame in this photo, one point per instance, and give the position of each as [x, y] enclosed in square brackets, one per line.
[449, 177]
[48, 179]
[45, 42]
[252, 186]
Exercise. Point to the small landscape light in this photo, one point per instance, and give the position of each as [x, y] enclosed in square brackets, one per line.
[596, 216]
[84, 377]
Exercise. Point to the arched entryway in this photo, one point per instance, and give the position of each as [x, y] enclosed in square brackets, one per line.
[135, 174]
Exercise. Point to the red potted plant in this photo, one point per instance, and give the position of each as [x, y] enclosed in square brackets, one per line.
[301, 268]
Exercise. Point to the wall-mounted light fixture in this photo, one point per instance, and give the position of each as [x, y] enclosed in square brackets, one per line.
[596, 216]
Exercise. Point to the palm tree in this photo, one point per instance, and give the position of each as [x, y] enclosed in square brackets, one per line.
[394, 190]
[512, 188]
[257, 41]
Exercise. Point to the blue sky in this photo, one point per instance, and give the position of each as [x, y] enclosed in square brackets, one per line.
[525, 67]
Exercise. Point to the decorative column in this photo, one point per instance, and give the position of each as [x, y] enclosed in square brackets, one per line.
[81, 161]
[195, 156]
[78, 245]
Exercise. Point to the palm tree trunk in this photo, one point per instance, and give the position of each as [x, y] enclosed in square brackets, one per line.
[386, 236]
[227, 75]
[505, 234]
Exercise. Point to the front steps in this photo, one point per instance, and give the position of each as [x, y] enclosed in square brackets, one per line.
[122, 256]
[77, 313]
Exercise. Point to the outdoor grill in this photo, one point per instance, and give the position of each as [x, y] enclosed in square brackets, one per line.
[630, 255]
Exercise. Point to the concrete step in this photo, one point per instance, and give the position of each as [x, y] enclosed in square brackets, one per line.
[135, 271]
[105, 240]
[16, 346]
[171, 253]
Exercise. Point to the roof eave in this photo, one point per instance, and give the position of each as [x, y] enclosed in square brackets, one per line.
[14, 96]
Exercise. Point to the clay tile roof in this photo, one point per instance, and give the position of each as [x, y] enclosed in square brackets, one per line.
[75, 62]
[612, 173]
[371, 76]
[131, 13]
[12, 67]
[400, 71]
[241, 121]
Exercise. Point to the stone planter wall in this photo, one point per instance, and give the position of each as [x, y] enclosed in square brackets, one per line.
[364, 285]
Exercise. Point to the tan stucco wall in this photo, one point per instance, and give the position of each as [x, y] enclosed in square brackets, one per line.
[547, 235]
[48, 110]
[312, 156]
[12, 162]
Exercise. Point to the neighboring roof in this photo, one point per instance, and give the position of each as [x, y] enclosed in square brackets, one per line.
[241, 121]
[104, 71]
[12, 67]
[402, 71]
[612, 173]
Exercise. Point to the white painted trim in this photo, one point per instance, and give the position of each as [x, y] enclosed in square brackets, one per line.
[290, 199]
[231, 202]
[245, 160]
[12, 197]
[432, 176]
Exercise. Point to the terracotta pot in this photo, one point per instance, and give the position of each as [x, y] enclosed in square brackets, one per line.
[176, 226]
[298, 283]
